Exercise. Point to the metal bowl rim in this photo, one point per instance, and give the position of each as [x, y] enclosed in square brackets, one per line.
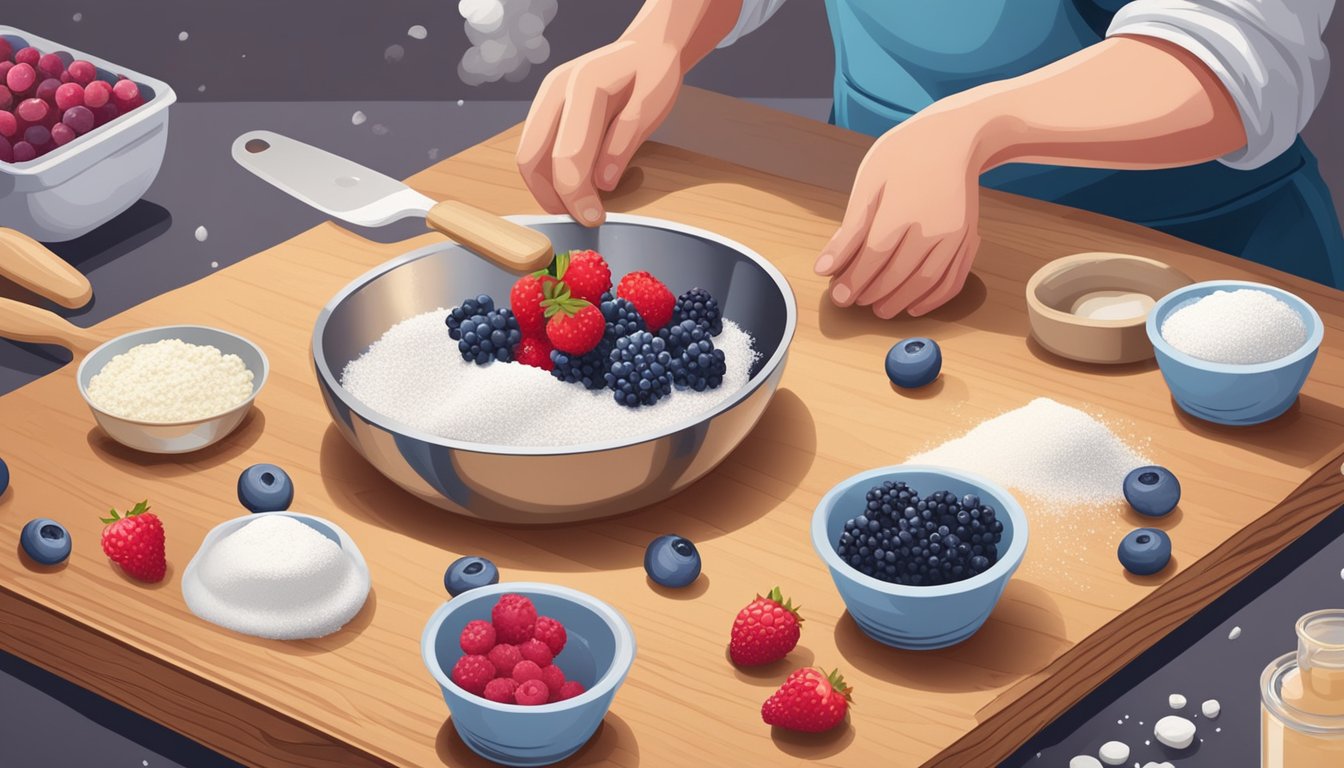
[378, 420]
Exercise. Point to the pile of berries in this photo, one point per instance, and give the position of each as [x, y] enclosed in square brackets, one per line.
[510, 659]
[901, 538]
[48, 100]
[641, 342]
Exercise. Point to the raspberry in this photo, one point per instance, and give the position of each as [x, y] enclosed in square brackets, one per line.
[514, 617]
[526, 670]
[552, 633]
[536, 651]
[82, 72]
[553, 677]
[505, 657]
[569, 690]
[472, 672]
[535, 352]
[653, 300]
[532, 693]
[478, 637]
[501, 690]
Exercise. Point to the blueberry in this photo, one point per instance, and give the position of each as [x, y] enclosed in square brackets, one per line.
[1145, 551]
[914, 362]
[1152, 491]
[468, 573]
[265, 488]
[672, 561]
[4, 476]
[45, 541]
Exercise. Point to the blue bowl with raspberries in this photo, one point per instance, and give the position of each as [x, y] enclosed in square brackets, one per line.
[929, 588]
[598, 652]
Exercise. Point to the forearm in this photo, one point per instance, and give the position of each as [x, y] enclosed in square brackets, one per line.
[692, 27]
[1125, 103]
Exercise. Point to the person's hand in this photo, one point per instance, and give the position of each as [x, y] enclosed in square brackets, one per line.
[587, 120]
[909, 234]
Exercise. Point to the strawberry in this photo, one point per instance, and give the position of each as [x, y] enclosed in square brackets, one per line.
[534, 351]
[472, 673]
[478, 637]
[810, 701]
[514, 618]
[552, 633]
[574, 325]
[653, 299]
[586, 273]
[764, 631]
[525, 300]
[135, 542]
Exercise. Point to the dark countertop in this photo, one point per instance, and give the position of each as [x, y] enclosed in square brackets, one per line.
[152, 249]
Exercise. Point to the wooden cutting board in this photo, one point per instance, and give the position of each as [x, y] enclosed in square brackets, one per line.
[1069, 619]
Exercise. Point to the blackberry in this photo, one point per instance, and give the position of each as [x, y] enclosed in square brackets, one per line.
[902, 538]
[590, 370]
[701, 308]
[468, 309]
[489, 336]
[696, 364]
[639, 373]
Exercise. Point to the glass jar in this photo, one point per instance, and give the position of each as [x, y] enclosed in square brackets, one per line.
[1302, 698]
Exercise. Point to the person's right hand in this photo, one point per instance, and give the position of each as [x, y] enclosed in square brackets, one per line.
[589, 117]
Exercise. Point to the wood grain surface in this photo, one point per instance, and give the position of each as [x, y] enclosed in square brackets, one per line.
[1070, 617]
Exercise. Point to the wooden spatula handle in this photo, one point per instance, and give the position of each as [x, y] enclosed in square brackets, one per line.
[24, 322]
[509, 245]
[31, 265]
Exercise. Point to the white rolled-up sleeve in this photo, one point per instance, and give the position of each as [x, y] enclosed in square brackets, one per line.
[754, 14]
[1267, 53]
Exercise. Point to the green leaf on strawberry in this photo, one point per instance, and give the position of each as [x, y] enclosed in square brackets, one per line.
[138, 509]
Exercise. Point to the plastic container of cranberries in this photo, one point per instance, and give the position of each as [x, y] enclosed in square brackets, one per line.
[84, 183]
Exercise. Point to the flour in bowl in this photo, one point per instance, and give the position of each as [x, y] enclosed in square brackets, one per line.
[415, 375]
[170, 381]
[1243, 327]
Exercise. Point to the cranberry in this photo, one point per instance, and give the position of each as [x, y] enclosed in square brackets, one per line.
[6, 50]
[67, 96]
[33, 110]
[9, 126]
[21, 77]
[105, 114]
[96, 94]
[29, 56]
[38, 136]
[127, 95]
[82, 72]
[6, 149]
[50, 65]
[5, 66]
[23, 152]
[80, 119]
[6, 98]
[62, 134]
[65, 77]
[46, 90]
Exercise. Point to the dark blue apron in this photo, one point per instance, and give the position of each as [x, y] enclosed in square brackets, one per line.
[895, 57]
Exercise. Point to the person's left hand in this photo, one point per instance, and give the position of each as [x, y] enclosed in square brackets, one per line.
[909, 234]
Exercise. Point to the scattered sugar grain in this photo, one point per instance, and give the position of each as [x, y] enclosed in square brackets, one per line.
[201, 234]
[415, 375]
[78, 17]
[182, 36]
[1242, 327]
[460, 102]
[380, 130]
[278, 578]
[214, 265]
[170, 381]
[1053, 452]
[1211, 708]
[1236, 631]
[417, 32]
[358, 117]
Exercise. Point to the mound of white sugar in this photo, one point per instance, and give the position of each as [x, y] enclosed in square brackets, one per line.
[1242, 327]
[1047, 450]
[170, 381]
[277, 578]
[415, 375]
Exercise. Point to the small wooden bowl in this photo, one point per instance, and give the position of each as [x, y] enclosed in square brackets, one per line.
[1091, 307]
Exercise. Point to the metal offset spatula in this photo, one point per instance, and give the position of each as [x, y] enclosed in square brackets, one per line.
[362, 196]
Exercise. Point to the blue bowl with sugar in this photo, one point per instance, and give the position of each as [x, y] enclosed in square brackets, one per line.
[918, 617]
[598, 653]
[1237, 394]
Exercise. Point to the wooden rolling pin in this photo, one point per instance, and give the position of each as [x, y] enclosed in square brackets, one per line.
[33, 266]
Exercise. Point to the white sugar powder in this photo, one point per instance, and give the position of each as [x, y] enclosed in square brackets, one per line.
[1242, 327]
[1050, 451]
[279, 578]
[170, 381]
[415, 375]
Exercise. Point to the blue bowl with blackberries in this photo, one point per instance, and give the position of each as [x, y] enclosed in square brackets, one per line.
[919, 554]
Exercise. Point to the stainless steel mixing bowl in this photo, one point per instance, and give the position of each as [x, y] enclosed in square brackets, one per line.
[533, 485]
